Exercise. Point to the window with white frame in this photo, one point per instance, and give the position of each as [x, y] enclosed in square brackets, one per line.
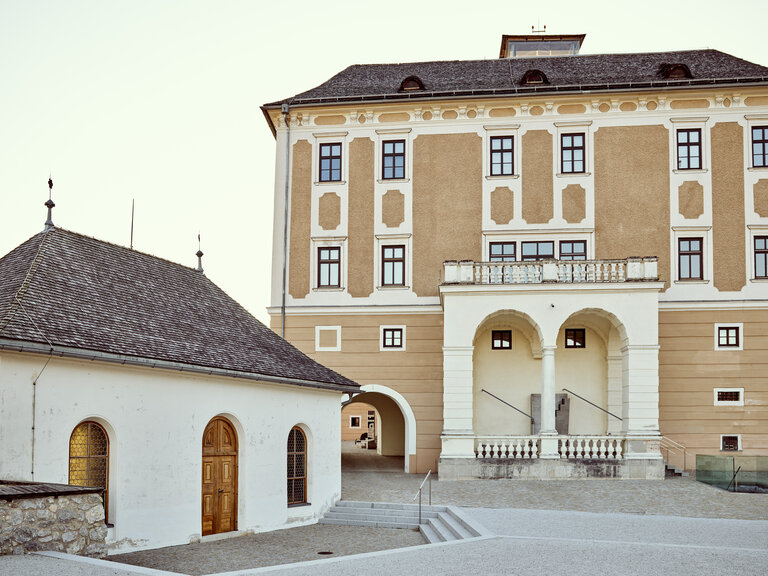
[729, 396]
[501, 251]
[330, 162]
[392, 338]
[502, 155]
[573, 153]
[689, 151]
[759, 146]
[730, 442]
[328, 266]
[729, 336]
[354, 421]
[761, 257]
[393, 265]
[690, 258]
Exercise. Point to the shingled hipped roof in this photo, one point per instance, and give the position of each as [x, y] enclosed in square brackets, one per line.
[83, 294]
[501, 77]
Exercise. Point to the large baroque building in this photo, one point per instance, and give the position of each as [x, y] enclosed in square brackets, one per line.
[547, 264]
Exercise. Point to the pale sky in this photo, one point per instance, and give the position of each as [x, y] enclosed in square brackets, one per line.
[158, 101]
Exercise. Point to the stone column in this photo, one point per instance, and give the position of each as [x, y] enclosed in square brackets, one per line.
[458, 434]
[549, 442]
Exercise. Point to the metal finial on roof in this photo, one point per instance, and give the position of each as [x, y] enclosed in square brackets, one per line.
[199, 255]
[50, 205]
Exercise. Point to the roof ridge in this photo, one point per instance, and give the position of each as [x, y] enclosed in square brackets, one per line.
[22, 291]
[126, 248]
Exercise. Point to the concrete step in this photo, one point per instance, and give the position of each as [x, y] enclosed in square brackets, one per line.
[388, 506]
[372, 523]
[456, 527]
[443, 532]
[382, 511]
[458, 515]
[429, 534]
[369, 515]
[670, 471]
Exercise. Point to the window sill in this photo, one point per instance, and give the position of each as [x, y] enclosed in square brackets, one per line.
[573, 174]
[328, 289]
[393, 180]
[389, 287]
[503, 177]
[757, 169]
[691, 281]
[299, 505]
[761, 279]
[331, 183]
[391, 349]
[690, 171]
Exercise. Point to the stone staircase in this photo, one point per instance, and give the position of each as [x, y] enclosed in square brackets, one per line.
[438, 523]
[672, 472]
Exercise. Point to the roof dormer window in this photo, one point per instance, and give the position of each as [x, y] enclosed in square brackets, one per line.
[534, 77]
[411, 83]
[675, 71]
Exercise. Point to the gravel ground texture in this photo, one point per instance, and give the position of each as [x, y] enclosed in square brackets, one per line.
[271, 548]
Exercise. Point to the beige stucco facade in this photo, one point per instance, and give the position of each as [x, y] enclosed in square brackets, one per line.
[650, 357]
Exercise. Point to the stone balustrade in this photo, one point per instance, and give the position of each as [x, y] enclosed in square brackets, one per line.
[551, 271]
[570, 447]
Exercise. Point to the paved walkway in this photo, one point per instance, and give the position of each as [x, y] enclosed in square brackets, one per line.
[675, 526]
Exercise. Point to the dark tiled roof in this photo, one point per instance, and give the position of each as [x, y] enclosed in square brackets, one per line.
[503, 76]
[20, 490]
[82, 293]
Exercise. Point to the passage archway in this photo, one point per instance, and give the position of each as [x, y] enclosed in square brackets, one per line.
[388, 420]
[219, 506]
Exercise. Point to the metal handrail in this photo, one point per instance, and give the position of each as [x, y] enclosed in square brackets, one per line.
[592, 403]
[736, 485]
[421, 488]
[508, 404]
[675, 448]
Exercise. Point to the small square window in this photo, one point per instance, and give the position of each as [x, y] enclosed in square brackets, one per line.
[501, 339]
[572, 153]
[354, 421]
[330, 162]
[393, 160]
[501, 251]
[730, 443]
[573, 250]
[689, 149]
[392, 338]
[502, 156]
[729, 336]
[393, 265]
[690, 259]
[761, 254]
[575, 338]
[760, 146]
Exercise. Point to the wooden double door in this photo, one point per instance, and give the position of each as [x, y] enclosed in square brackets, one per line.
[219, 510]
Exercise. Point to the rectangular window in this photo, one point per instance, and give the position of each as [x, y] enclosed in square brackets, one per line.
[690, 256]
[330, 162]
[760, 146]
[728, 337]
[572, 153]
[538, 250]
[573, 250]
[689, 149]
[502, 163]
[730, 443]
[393, 265]
[761, 255]
[729, 396]
[501, 251]
[328, 266]
[392, 338]
[575, 338]
[393, 160]
[354, 421]
[501, 339]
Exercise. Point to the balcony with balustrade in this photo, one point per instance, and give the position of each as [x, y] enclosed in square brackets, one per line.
[509, 340]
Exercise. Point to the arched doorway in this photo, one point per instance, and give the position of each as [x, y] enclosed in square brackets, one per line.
[89, 458]
[387, 413]
[219, 504]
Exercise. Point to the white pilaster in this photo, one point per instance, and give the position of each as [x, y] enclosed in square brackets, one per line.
[549, 446]
[458, 435]
[640, 390]
[614, 393]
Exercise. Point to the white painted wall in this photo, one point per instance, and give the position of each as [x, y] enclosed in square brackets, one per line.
[155, 419]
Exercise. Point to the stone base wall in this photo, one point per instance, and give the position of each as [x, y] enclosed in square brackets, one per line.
[543, 469]
[73, 524]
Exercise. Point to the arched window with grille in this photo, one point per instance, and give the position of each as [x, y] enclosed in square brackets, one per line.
[89, 458]
[297, 467]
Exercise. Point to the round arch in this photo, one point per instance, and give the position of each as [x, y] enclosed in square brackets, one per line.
[522, 321]
[110, 508]
[407, 412]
